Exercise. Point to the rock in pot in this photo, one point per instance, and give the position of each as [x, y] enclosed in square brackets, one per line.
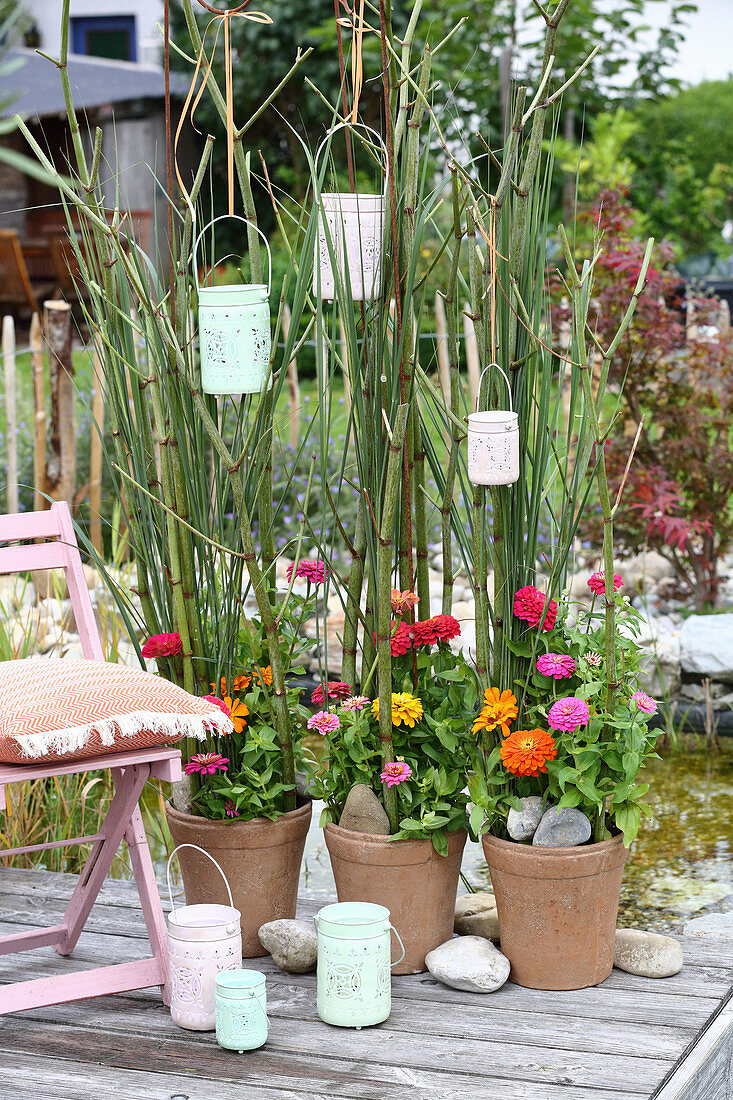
[562, 828]
[364, 813]
[522, 824]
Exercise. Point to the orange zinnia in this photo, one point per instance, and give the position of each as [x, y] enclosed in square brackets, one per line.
[239, 713]
[500, 708]
[265, 675]
[526, 752]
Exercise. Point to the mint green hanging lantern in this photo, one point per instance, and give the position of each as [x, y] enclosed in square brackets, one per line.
[354, 963]
[234, 329]
[241, 1010]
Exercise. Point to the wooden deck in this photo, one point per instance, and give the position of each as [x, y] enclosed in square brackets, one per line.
[629, 1039]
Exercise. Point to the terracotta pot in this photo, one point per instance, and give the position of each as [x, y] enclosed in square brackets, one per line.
[260, 858]
[557, 910]
[407, 876]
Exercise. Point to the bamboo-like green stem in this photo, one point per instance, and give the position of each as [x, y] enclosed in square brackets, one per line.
[353, 597]
[384, 604]
[446, 505]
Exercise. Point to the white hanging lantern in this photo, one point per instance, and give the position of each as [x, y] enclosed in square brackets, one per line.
[203, 941]
[234, 329]
[350, 232]
[493, 442]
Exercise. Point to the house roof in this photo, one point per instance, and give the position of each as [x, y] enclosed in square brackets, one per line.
[33, 87]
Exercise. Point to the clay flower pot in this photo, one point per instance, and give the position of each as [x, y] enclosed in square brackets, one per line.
[260, 858]
[557, 910]
[408, 877]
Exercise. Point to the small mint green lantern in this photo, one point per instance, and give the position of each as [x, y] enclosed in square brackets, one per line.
[234, 329]
[241, 1010]
[354, 963]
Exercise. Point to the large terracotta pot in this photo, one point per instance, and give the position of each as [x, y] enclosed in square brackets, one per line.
[407, 876]
[557, 910]
[260, 858]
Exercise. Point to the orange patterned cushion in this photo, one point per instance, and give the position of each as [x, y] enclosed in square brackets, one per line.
[67, 710]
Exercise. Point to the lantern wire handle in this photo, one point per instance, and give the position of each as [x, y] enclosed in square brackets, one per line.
[508, 385]
[399, 940]
[350, 126]
[203, 853]
[247, 221]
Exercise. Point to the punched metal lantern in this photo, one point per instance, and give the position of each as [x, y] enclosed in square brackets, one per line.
[241, 1010]
[354, 963]
[493, 443]
[234, 329]
[350, 232]
[203, 941]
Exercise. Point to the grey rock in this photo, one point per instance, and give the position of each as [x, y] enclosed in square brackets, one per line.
[364, 813]
[712, 924]
[647, 954]
[522, 824]
[706, 646]
[470, 963]
[293, 944]
[562, 828]
[476, 915]
[181, 795]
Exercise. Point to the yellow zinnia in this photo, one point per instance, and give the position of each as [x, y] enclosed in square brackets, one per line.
[405, 708]
[500, 708]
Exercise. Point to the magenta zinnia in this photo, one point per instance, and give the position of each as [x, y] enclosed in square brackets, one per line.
[533, 606]
[395, 772]
[335, 689]
[324, 722]
[163, 645]
[313, 571]
[644, 702]
[597, 583]
[207, 763]
[568, 714]
[558, 665]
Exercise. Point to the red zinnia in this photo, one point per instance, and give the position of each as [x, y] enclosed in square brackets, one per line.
[530, 605]
[446, 627]
[163, 645]
[425, 632]
[335, 689]
[401, 640]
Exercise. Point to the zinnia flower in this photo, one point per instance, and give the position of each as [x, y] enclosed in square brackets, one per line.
[395, 773]
[324, 722]
[556, 664]
[230, 808]
[207, 763]
[356, 702]
[597, 583]
[403, 601]
[238, 711]
[529, 604]
[446, 627]
[593, 659]
[163, 645]
[568, 714]
[500, 708]
[315, 572]
[335, 689]
[644, 702]
[425, 632]
[526, 752]
[401, 639]
[405, 708]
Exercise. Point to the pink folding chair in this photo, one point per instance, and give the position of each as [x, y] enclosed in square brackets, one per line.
[123, 821]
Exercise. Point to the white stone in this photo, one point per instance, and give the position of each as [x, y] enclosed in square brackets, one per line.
[471, 963]
[647, 954]
[476, 915]
[712, 924]
[706, 646]
[293, 944]
[16, 592]
[522, 824]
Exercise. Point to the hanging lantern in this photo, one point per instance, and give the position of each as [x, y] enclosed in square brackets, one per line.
[234, 329]
[493, 443]
[203, 940]
[354, 963]
[241, 1010]
[350, 232]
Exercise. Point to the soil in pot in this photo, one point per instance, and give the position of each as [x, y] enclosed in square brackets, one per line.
[417, 885]
[260, 858]
[557, 910]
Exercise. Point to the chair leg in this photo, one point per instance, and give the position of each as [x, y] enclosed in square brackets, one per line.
[147, 888]
[129, 783]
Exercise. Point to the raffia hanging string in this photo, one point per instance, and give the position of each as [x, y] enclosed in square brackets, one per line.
[356, 23]
[221, 17]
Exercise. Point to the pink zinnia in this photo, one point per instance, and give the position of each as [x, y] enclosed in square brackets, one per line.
[593, 659]
[644, 702]
[335, 689]
[163, 645]
[356, 702]
[313, 571]
[568, 714]
[395, 772]
[558, 665]
[324, 722]
[529, 604]
[231, 809]
[207, 763]
[597, 583]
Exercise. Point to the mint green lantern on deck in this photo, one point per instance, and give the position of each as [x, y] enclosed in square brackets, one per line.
[241, 1010]
[354, 963]
[234, 329]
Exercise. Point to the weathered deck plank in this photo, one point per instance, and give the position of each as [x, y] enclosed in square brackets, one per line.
[620, 1040]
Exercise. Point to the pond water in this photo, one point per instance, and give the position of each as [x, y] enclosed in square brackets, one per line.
[681, 865]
